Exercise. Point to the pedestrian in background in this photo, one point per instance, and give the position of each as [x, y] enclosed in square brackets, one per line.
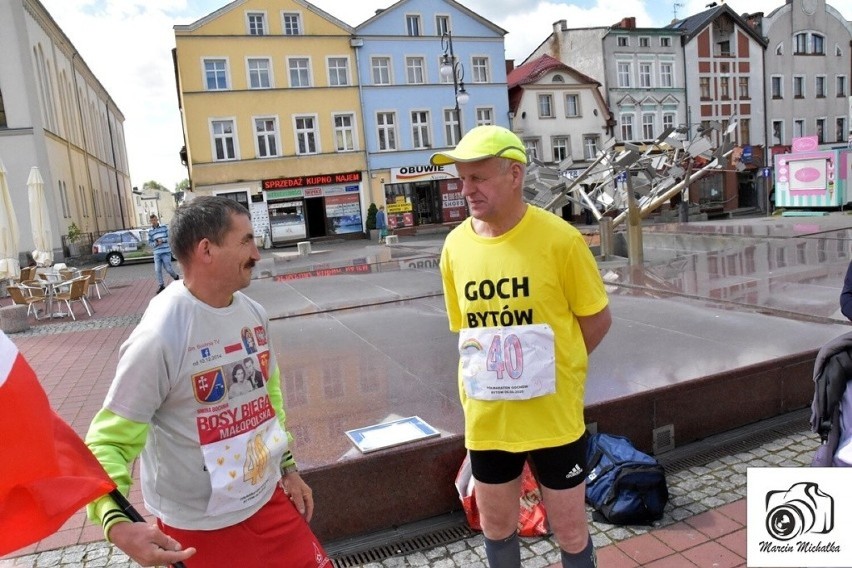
[158, 239]
[217, 473]
[382, 223]
[524, 293]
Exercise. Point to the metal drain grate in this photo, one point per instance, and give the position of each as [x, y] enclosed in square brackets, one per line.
[407, 546]
[742, 439]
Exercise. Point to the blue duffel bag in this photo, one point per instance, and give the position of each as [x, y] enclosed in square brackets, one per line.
[624, 486]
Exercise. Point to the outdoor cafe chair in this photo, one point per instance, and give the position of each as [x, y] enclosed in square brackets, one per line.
[89, 274]
[75, 291]
[100, 279]
[21, 297]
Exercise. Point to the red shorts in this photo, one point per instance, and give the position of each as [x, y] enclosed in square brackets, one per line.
[277, 535]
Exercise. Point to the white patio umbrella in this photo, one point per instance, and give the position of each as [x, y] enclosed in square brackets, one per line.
[9, 236]
[39, 219]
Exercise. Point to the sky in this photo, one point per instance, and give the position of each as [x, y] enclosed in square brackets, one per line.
[127, 44]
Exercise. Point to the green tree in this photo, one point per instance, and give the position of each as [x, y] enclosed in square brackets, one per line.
[371, 216]
[182, 185]
[154, 185]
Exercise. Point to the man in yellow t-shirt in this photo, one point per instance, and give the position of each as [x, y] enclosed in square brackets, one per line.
[524, 293]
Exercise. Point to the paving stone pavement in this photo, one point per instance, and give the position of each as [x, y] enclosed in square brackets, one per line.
[693, 490]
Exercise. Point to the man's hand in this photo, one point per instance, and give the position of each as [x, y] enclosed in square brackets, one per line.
[147, 544]
[300, 494]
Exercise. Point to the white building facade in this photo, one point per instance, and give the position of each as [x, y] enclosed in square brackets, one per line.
[56, 115]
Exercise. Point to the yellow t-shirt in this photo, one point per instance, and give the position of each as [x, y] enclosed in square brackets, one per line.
[541, 271]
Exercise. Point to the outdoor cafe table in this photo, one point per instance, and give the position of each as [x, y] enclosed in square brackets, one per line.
[51, 283]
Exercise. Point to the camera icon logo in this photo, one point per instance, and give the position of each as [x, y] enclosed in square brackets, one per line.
[803, 508]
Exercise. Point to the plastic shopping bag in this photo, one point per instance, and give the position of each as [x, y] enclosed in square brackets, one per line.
[532, 520]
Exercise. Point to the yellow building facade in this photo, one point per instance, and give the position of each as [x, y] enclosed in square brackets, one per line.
[271, 114]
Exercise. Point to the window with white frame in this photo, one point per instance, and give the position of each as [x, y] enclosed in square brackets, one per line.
[798, 87]
[777, 87]
[626, 127]
[820, 130]
[561, 147]
[344, 132]
[779, 49]
[590, 146]
[292, 23]
[442, 24]
[484, 115]
[300, 71]
[777, 131]
[420, 129]
[665, 41]
[622, 41]
[704, 87]
[266, 136]
[724, 88]
[668, 120]
[798, 128]
[306, 134]
[258, 70]
[745, 130]
[414, 70]
[224, 140]
[817, 44]
[572, 105]
[840, 85]
[532, 147]
[819, 87]
[666, 75]
[644, 41]
[381, 70]
[809, 43]
[338, 71]
[742, 83]
[451, 127]
[386, 129]
[480, 69]
[623, 70]
[216, 74]
[800, 42]
[412, 24]
[840, 129]
[545, 106]
[256, 23]
[648, 121]
[645, 74]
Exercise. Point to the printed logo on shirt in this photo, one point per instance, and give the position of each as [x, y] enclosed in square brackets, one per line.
[205, 352]
[233, 347]
[209, 387]
[260, 334]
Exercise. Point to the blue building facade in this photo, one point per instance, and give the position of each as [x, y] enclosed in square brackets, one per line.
[409, 107]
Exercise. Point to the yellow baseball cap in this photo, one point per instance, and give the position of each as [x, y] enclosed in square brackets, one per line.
[489, 141]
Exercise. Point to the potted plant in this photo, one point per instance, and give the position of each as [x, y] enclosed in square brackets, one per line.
[371, 221]
[74, 234]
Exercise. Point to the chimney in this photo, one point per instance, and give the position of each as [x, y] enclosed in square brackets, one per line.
[510, 65]
[560, 26]
[626, 24]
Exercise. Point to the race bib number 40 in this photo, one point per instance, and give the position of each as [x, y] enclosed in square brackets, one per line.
[508, 363]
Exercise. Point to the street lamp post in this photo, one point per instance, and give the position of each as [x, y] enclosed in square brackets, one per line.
[452, 68]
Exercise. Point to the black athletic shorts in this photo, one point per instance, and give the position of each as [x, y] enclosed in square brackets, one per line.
[562, 467]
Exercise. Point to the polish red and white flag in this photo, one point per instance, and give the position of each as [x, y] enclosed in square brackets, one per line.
[46, 471]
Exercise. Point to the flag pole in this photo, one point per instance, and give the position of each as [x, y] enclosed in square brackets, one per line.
[132, 513]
